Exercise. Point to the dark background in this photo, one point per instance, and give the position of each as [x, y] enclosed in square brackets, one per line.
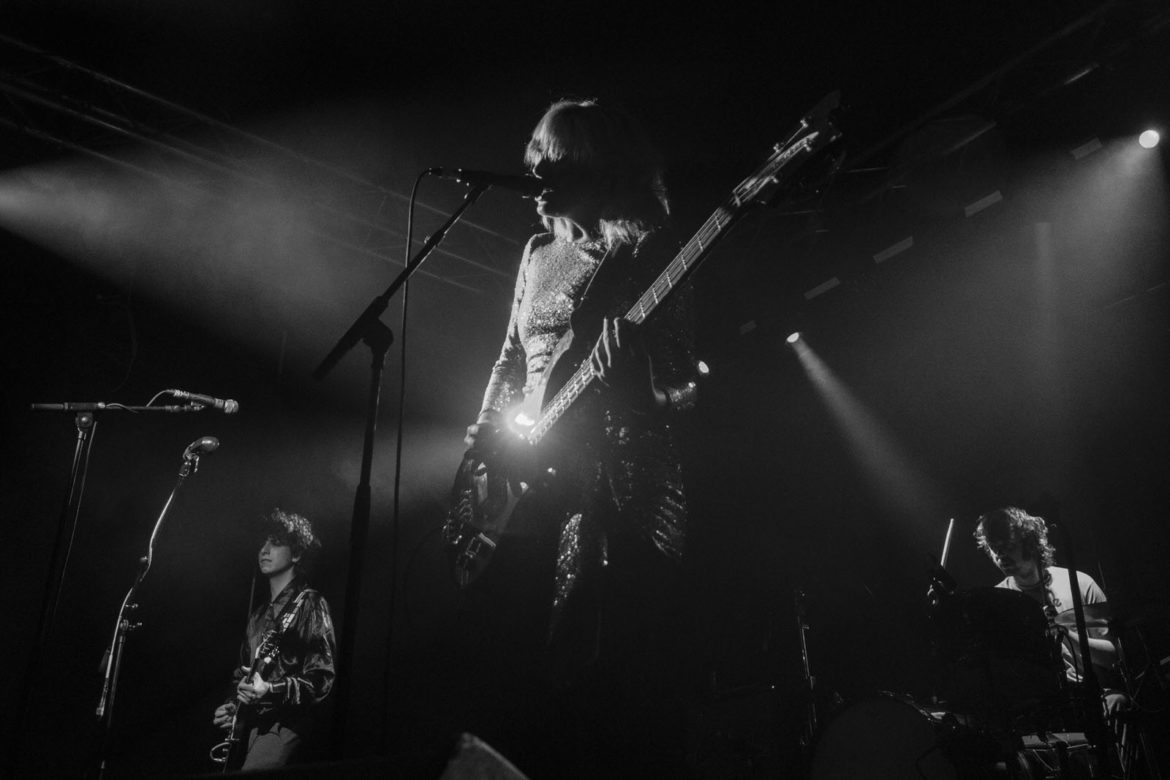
[1012, 355]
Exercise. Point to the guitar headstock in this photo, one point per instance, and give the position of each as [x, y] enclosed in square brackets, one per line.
[813, 133]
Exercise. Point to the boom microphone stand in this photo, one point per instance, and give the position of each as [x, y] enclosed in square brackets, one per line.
[369, 329]
[808, 730]
[124, 623]
[85, 421]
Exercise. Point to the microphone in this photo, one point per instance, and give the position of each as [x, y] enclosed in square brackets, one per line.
[527, 186]
[201, 446]
[225, 405]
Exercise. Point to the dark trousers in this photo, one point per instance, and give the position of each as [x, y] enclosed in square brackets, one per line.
[271, 747]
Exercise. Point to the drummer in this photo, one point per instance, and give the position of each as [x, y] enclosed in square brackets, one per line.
[1018, 544]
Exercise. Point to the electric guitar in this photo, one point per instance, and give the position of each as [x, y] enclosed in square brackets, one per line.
[484, 494]
[227, 753]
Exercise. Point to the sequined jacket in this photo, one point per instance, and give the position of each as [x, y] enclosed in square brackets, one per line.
[635, 466]
[302, 673]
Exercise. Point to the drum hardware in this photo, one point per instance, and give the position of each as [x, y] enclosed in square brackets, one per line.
[1105, 614]
[1052, 754]
[1088, 686]
[890, 735]
[809, 682]
[1001, 659]
[1129, 729]
[1003, 671]
[1134, 741]
[1096, 616]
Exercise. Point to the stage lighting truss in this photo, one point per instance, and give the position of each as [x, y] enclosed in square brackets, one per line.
[70, 107]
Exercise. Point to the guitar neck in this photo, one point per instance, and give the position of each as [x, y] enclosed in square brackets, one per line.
[678, 270]
[684, 263]
[813, 131]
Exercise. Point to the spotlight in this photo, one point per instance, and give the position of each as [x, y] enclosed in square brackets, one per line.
[703, 368]
[793, 337]
[1149, 139]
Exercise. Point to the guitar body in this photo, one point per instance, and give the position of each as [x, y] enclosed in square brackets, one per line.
[231, 752]
[568, 358]
[488, 491]
[488, 486]
[234, 750]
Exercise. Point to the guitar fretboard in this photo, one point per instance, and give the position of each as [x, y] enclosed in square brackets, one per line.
[682, 266]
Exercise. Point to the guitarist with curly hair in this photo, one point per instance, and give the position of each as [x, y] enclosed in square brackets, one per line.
[287, 666]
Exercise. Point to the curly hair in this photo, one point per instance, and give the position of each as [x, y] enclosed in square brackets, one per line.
[611, 146]
[290, 529]
[1003, 527]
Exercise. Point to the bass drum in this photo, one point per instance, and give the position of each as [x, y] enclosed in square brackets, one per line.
[889, 736]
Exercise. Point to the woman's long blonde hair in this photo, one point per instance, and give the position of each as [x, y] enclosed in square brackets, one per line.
[612, 145]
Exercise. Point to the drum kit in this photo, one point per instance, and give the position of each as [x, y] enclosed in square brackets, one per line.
[1003, 707]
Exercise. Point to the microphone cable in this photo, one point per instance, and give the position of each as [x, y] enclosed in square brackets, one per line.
[398, 439]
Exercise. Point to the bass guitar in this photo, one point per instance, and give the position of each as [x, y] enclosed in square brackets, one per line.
[484, 494]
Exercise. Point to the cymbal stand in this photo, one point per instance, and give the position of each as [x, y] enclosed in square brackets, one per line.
[809, 730]
[1151, 669]
[1090, 687]
[1129, 751]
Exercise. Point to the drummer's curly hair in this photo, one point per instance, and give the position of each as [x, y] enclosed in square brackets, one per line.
[1002, 527]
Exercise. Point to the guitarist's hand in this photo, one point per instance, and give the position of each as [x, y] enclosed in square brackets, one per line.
[488, 443]
[223, 715]
[621, 363]
[482, 438]
[251, 688]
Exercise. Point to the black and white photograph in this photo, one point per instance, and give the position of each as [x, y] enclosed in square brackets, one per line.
[526, 391]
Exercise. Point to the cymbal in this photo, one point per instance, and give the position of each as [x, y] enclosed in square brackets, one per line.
[1103, 614]
[1098, 615]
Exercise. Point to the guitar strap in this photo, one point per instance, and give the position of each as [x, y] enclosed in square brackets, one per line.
[608, 261]
[270, 644]
[623, 268]
[613, 270]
